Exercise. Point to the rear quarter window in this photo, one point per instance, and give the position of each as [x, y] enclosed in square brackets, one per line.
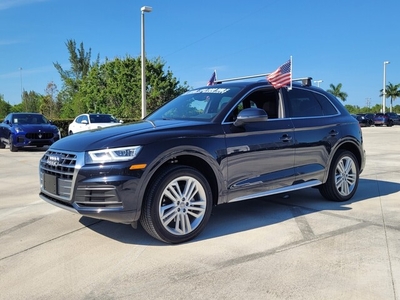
[327, 106]
[303, 103]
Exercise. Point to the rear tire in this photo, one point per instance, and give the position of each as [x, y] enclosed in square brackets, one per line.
[178, 205]
[343, 177]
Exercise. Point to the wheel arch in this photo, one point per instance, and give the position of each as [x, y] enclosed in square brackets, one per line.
[352, 146]
[355, 149]
[195, 158]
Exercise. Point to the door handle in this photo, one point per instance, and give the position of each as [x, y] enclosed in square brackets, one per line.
[286, 138]
[333, 132]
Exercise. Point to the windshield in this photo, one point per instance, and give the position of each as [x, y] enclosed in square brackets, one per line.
[201, 104]
[29, 119]
[102, 119]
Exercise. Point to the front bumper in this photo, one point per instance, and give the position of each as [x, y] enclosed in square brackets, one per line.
[116, 216]
[24, 139]
[106, 192]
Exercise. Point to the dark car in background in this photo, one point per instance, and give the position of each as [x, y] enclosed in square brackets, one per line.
[228, 142]
[365, 120]
[20, 130]
[380, 119]
[389, 119]
[393, 118]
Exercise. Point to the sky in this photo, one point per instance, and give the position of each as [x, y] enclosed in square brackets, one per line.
[341, 41]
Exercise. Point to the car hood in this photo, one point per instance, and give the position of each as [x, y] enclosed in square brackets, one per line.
[105, 124]
[139, 133]
[36, 127]
[101, 125]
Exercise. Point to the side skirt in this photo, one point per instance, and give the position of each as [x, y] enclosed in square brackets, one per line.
[287, 189]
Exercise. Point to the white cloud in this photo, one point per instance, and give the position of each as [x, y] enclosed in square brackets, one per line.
[27, 72]
[8, 42]
[6, 4]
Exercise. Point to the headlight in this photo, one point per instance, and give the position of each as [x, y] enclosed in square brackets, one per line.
[19, 129]
[112, 155]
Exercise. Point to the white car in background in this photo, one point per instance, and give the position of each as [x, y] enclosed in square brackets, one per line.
[86, 122]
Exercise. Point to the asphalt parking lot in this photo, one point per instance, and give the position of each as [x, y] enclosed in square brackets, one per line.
[295, 246]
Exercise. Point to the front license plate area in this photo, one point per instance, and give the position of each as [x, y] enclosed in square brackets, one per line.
[50, 183]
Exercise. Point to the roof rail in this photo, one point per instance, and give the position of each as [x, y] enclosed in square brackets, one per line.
[240, 78]
[306, 81]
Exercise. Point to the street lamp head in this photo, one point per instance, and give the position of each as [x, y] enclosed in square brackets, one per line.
[318, 82]
[386, 62]
[146, 9]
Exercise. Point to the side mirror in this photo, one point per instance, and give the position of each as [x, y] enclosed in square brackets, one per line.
[251, 115]
[84, 122]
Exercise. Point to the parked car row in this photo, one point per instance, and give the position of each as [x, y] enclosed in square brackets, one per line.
[379, 119]
[19, 130]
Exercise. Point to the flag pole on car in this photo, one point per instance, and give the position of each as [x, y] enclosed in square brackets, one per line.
[213, 78]
[282, 76]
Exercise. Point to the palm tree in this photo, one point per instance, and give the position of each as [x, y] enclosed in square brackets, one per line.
[336, 91]
[392, 91]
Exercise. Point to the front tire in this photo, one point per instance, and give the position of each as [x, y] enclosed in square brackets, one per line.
[343, 177]
[178, 205]
[11, 143]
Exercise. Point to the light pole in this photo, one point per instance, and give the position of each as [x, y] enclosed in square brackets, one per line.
[318, 82]
[144, 9]
[368, 102]
[384, 86]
